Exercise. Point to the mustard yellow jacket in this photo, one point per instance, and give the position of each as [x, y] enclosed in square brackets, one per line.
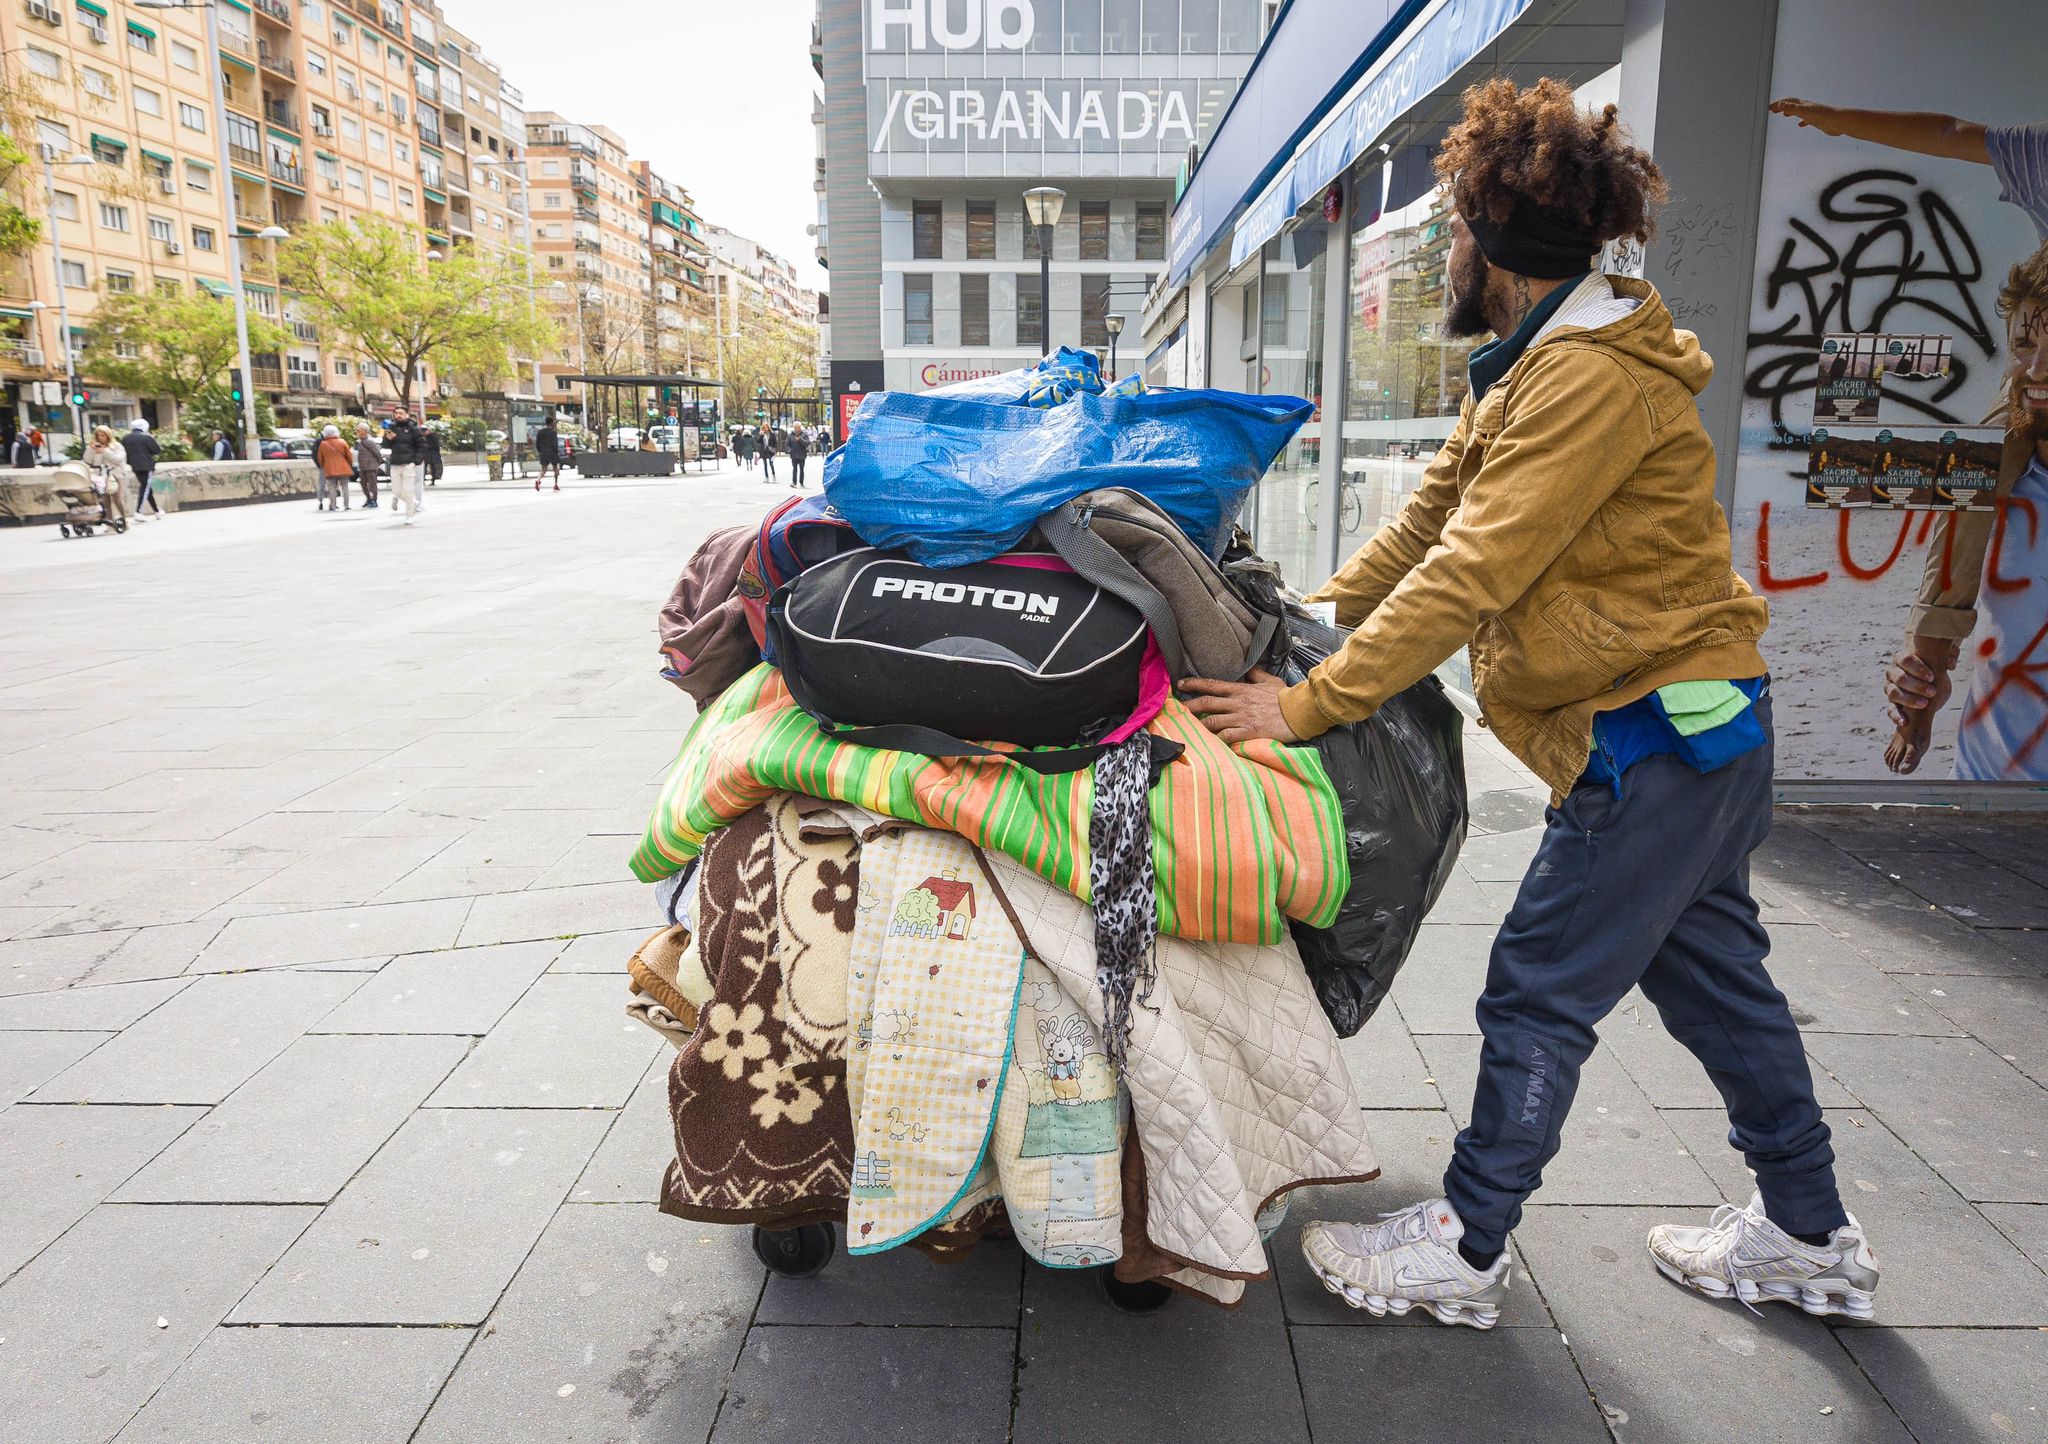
[1568, 532]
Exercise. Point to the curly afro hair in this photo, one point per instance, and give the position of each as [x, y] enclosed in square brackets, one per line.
[1537, 146]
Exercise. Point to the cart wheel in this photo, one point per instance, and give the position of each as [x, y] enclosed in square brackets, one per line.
[1148, 1297]
[796, 1253]
[120, 528]
[63, 529]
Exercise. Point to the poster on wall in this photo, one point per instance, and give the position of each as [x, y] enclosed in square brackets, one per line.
[1891, 494]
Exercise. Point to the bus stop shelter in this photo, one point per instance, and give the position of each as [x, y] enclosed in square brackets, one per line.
[615, 400]
[518, 416]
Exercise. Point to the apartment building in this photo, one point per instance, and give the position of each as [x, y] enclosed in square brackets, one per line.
[678, 328]
[334, 111]
[773, 278]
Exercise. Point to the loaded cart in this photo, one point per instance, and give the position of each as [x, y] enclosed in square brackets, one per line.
[970, 926]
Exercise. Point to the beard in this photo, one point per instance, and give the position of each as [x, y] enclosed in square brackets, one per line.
[1465, 316]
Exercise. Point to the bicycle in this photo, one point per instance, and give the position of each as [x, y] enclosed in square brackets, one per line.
[1350, 505]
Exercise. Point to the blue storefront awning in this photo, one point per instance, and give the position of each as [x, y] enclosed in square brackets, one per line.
[1332, 77]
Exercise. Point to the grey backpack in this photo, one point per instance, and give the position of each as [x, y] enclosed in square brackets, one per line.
[1205, 626]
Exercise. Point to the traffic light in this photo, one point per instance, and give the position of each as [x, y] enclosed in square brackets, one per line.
[81, 394]
[236, 390]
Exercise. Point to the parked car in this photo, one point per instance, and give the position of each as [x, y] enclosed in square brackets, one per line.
[275, 450]
[623, 438]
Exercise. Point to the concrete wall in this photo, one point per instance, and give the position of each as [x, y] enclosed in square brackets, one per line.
[29, 497]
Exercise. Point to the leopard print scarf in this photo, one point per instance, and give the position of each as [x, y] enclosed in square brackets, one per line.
[1120, 880]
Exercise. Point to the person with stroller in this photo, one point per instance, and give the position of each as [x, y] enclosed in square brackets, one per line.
[337, 469]
[1578, 488]
[369, 461]
[143, 455]
[799, 449]
[110, 475]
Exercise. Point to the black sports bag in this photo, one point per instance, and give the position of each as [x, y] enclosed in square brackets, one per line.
[888, 653]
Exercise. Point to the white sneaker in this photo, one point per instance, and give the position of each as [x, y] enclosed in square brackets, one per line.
[1741, 1254]
[1408, 1260]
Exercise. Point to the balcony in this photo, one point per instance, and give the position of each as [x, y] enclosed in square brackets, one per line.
[279, 114]
[392, 19]
[590, 245]
[268, 375]
[304, 381]
[237, 44]
[290, 173]
[276, 64]
[586, 213]
[20, 355]
[430, 134]
[278, 10]
[305, 331]
[246, 155]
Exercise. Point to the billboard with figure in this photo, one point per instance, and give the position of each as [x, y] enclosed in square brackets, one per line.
[1891, 495]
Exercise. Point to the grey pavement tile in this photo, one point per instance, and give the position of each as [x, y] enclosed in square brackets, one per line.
[87, 1009]
[902, 1288]
[299, 1130]
[1976, 1120]
[1832, 989]
[916, 1386]
[1500, 856]
[1665, 1068]
[64, 883]
[622, 1325]
[1520, 1384]
[1959, 1386]
[1860, 831]
[520, 839]
[2009, 1014]
[628, 1165]
[1387, 1069]
[557, 912]
[28, 1060]
[432, 1227]
[199, 1046]
[1444, 976]
[281, 1386]
[376, 788]
[1925, 1236]
[1674, 1366]
[84, 1350]
[321, 934]
[1969, 887]
[456, 990]
[567, 1043]
[2026, 1224]
[40, 964]
[61, 1163]
[439, 879]
[23, 922]
[347, 870]
[1465, 901]
[1189, 1371]
[1413, 1151]
[2027, 946]
[1616, 1149]
[589, 860]
[605, 952]
[1509, 811]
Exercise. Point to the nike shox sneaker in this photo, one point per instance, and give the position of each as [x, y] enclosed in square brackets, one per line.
[1743, 1255]
[1408, 1260]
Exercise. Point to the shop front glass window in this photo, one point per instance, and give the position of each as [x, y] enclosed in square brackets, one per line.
[1282, 329]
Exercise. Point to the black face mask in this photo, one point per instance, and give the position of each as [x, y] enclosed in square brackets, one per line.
[1466, 316]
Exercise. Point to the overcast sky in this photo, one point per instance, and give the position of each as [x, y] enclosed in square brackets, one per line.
[715, 94]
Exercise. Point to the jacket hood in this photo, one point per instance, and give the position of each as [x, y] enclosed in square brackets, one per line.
[1646, 334]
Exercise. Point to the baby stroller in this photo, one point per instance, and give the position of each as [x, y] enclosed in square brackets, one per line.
[84, 499]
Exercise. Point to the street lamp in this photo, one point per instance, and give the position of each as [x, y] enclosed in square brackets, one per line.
[1042, 206]
[1115, 326]
[49, 156]
[227, 181]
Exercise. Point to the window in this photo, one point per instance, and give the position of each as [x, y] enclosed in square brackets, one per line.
[329, 168]
[1273, 310]
[203, 238]
[1095, 311]
[350, 128]
[65, 204]
[402, 151]
[161, 228]
[184, 56]
[974, 309]
[323, 120]
[341, 366]
[405, 197]
[74, 274]
[121, 281]
[1151, 232]
[927, 231]
[242, 132]
[372, 91]
[378, 139]
[1030, 320]
[1094, 232]
[147, 101]
[981, 231]
[113, 217]
[917, 310]
[316, 61]
[46, 63]
[329, 215]
[380, 187]
[344, 33]
[97, 83]
[311, 10]
[191, 116]
[198, 177]
[167, 285]
[355, 178]
[108, 152]
[346, 79]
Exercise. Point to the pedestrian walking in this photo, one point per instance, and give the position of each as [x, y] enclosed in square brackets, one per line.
[108, 463]
[431, 436]
[799, 449]
[1568, 532]
[369, 461]
[23, 452]
[767, 454]
[220, 448]
[547, 449]
[408, 464]
[747, 445]
[337, 468]
[144, 452]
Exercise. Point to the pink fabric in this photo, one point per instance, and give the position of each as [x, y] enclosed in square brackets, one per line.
[1155, 683]
[1037, 561]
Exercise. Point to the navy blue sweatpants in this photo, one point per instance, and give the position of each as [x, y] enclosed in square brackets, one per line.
[1650, 887]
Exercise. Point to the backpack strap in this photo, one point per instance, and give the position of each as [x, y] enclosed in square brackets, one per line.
[1095, 560]
[930, 742]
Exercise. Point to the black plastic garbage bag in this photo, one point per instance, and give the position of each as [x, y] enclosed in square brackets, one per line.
[1400, 776]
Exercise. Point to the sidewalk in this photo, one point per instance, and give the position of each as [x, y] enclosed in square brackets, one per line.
[321, 1119]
